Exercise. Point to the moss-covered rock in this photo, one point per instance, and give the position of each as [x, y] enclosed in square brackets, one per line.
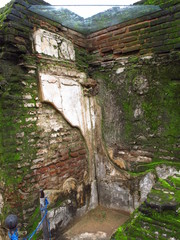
[158, 217]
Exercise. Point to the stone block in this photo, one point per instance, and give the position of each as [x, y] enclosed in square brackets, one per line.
[115, 195]
[128, 39]
[74, 154]
[177, 46]
[163, 49]
[119, 31]
[53, 45]
[139, 26]
[146, 185]
[164, 171]
[64, 157]
[82, 152]
[131, 49]
[106, 50]
[23, 3]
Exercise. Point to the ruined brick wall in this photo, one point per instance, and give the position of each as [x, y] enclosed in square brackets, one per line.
[39, 148]
[61, 151]
[155, 33]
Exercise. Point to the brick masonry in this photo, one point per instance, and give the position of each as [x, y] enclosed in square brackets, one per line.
[154, 33]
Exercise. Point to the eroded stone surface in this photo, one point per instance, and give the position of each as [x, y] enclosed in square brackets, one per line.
[141, 85]
[1, 202]
[115, 195]
[165, 171]
[66, 95]
[52, 195]
[53, 45]
[120, 70]
[126, 159]
[59, 217]
[146, 185]
[91, 236]
[70, 185]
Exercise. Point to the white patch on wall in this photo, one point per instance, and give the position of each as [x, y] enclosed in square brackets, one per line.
[120, 70]
[1, 203]
[67, 97]
[146, 185]
[53, 45]
[137, 112]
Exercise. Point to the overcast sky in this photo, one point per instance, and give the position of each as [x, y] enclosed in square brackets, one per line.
[84, 12]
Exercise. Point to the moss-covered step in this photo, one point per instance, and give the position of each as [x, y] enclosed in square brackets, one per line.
[158, 217]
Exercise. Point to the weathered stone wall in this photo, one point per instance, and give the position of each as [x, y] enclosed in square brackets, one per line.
[139, 97]
[139, 101]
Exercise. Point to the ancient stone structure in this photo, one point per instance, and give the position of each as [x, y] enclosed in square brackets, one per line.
[92, 119]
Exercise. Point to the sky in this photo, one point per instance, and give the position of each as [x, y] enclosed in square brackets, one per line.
[84, 11]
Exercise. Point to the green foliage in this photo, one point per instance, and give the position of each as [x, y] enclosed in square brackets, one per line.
[5, 11]
[159, 2]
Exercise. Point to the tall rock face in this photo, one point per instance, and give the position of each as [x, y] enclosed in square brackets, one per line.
[90, 119]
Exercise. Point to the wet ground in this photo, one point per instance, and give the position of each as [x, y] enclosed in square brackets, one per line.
[97, 224]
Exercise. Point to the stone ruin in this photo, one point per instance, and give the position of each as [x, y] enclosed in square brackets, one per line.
[92, 118]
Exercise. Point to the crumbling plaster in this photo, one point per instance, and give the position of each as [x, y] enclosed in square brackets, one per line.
[64, 88]
[53, 45]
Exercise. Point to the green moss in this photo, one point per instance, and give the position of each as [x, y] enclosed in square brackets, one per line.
[158, 2]
[164, 198]
[134, 59]
[5, 11]
[148, 223]
[104, 76]
[143, 227]
[35, 219]
[5, 211]
[166, 185]
[175, 181]
[156, 129]
[83, 59]
[151, 113]
[16, 150]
